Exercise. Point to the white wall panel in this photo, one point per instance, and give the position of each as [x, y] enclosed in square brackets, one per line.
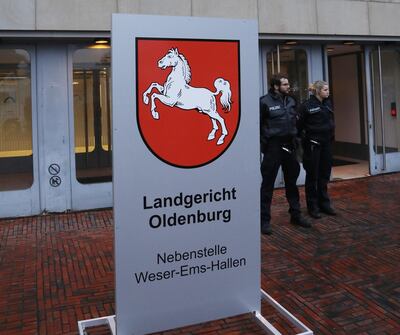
[331, 17]
[342, 17]
[167, 7]
[225, 8]
[287, 16]
[75, 14]
[384, 18]
[17, 14]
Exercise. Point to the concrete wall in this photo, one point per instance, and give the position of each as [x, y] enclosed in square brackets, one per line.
[332, 17]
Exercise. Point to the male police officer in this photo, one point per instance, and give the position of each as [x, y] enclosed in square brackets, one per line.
[278, 118]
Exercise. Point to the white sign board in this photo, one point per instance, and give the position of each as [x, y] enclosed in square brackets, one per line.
[185, 169]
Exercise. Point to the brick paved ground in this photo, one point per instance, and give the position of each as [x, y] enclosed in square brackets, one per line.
[340, 277]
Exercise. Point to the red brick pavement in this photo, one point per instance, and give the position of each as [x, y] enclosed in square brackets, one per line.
[340, 277]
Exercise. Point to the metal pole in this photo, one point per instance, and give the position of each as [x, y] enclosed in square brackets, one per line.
[278, 58]
[97, 117]
[108, 98]
[273, 62]
[85, 121]
[284, 313]
[373, 104]
[381, 103]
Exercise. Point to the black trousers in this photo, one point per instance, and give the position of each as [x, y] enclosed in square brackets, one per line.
[317, 161]
[274, 157]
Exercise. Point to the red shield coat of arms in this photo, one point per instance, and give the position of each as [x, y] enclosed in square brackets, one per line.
[188, 98]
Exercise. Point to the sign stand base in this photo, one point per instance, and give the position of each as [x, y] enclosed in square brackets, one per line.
[105, 320]
[110, 320]
[282, 311]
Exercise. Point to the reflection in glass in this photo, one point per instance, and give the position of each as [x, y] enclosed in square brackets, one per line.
[92, 120]
[16, 162]
[293, 63]
[390, 60]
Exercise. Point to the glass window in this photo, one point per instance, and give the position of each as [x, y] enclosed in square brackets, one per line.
[92, 118]
[292, 62]
[390, 60]
[16, 162]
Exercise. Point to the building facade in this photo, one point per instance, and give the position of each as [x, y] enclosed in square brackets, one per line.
[55, 115]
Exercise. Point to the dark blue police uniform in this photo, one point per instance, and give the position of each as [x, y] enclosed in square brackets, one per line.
[316, 123]
[278, 118]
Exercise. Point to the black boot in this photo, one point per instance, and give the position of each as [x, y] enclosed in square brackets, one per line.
[327, 210]
[300, 221]
[266, 229]
[314, 213]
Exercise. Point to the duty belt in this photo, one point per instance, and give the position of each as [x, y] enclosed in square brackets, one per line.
[285, 148]
[314, 144]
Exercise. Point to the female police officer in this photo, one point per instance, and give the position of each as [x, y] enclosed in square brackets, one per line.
[316, 124]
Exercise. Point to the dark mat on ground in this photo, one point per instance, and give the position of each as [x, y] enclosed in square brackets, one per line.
[340, 162]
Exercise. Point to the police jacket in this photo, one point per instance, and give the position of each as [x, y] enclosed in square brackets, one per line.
[278, 116]
[316, 119]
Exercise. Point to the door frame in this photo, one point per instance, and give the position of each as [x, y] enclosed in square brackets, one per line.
[384, 162]
[362, 95]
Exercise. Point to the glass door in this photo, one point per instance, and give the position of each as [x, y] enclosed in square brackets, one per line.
[19, 187]
[90, 136]
[55, 128]
[384, 101]
[292, 60]
[346, 73]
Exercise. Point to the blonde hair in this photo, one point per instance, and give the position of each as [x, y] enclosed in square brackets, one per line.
[317, 86]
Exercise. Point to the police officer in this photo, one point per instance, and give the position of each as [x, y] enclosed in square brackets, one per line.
[278, 118]
[316, 122]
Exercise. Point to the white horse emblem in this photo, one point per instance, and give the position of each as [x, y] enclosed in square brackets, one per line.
[176, 91]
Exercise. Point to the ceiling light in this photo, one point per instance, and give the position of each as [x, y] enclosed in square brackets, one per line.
[291, 42]
[102, 41]
[99, 46]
